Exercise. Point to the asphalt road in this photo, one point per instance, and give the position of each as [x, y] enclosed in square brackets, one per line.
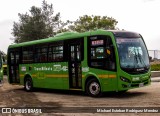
[54, 102]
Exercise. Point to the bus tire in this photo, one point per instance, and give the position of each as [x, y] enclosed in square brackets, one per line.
[93, 88]
[28, 84]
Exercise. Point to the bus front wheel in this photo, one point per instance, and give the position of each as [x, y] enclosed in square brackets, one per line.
[93, 88]
[28, 84]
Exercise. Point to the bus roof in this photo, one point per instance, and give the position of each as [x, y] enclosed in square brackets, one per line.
[126, 34]
[71, 35]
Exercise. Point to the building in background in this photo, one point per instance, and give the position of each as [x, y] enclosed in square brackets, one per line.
[155, 54]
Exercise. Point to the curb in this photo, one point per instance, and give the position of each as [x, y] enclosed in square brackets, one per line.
[155, 73]
[155, 79]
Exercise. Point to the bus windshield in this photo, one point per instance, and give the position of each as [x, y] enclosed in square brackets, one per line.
[133, 54]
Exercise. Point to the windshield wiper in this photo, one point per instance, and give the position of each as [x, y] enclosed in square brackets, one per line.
[141, 59]
[135, 59]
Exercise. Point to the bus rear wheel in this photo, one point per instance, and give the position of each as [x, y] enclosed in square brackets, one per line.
[93, 88]
[28, 85]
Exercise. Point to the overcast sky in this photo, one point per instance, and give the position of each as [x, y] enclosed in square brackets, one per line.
[142, 16]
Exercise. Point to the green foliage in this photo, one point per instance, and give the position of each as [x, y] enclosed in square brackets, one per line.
[40, 23]
[87, 23]
[155, 67]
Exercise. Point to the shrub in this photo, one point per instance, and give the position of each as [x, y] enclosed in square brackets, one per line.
[155, 67]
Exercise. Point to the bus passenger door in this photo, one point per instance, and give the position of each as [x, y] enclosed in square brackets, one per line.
[75, 69]
[14, 57]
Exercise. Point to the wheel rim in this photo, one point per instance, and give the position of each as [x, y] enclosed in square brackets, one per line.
[28, 85]
[94, 88]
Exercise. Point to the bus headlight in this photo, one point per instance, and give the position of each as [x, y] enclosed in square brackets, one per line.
[125, 79]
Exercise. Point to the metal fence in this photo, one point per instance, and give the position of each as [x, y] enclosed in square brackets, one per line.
[154, 54]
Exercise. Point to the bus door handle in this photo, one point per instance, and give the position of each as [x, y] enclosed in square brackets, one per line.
[30, 68]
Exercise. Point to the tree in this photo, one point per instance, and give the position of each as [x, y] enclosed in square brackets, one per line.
[87, 23]
[39, 24]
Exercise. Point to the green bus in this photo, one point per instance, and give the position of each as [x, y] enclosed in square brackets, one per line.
[94, 62]
[1, 67]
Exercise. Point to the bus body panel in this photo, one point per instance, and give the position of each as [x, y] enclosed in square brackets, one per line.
[134, 81]
[46, 75]
[107, 79]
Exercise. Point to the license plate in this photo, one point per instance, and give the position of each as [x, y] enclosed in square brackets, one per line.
[141, 84]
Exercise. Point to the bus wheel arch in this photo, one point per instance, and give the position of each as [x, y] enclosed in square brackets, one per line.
[93, 87]
[28, 83]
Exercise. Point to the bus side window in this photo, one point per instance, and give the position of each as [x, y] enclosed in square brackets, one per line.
[27, 54]
[55, 53]
[12, 58]
[101, 52]
[110, 63]
[41, 53]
